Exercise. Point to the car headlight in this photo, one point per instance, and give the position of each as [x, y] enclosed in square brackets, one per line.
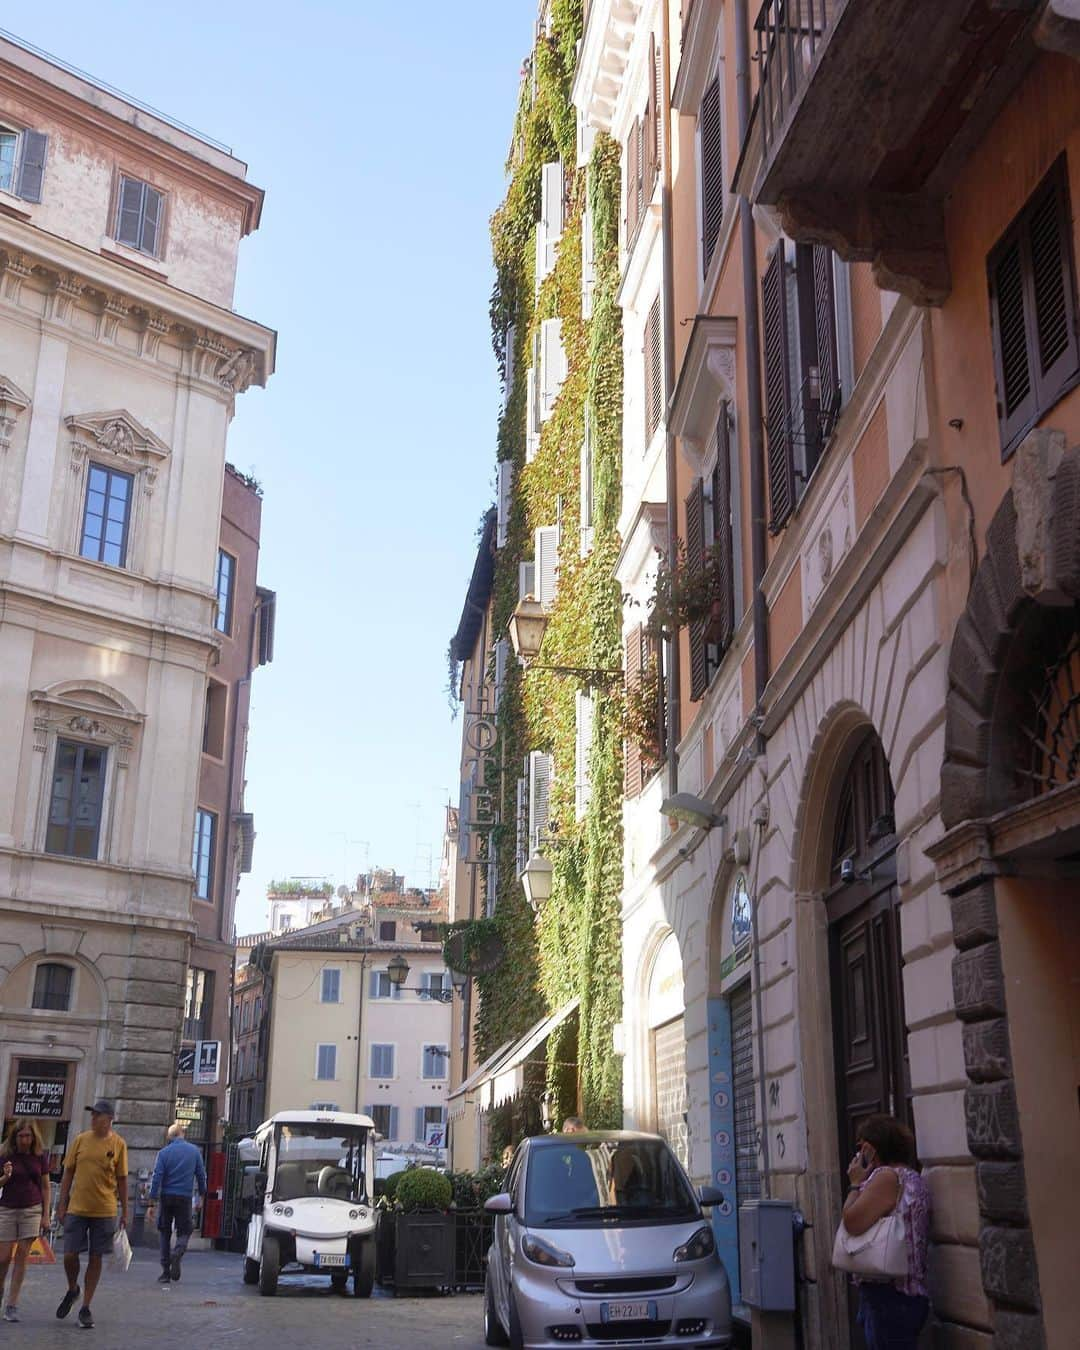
[543, 1253]
[702, 1244]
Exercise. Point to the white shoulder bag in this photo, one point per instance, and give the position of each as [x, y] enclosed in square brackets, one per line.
[878, 1254]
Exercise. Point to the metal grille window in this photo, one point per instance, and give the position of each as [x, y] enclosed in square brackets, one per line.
[331, 986]
[747, 1178]
[202, 853]
[226, 571]
[382, 1061]
[435, 1061]
[106, 516]
[139, 216]
[326, 1062]
[77, 794]
[1032, 279]
[52, 986]
[669, 1082]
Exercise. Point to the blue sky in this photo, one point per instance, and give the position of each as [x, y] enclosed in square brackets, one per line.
[379, 133]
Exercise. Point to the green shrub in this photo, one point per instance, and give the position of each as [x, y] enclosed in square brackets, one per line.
[390, 1184]
[471, 1189]
[423, 1188]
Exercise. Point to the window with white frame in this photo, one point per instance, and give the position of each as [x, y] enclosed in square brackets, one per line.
[435, 1060]
[22, 162]
[140, 216]
[326, 1063]
[331, 985]
[382, 1061]
[381, 985]
[78, 793]
[226, 573]
[431, 1126]
[202, 853]
[106, 515]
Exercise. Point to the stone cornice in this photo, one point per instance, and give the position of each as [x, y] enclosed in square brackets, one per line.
[699, 39]
[707, 377]
[219, 349]
[605, 50]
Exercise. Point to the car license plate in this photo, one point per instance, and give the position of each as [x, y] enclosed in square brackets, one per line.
[330, 1259]
[628, 1312]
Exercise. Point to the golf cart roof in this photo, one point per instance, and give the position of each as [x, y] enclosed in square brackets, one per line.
[316, 1118]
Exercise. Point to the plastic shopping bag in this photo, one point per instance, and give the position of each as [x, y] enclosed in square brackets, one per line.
[121, 1248]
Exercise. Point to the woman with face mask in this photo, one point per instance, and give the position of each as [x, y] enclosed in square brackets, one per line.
[884, 1174]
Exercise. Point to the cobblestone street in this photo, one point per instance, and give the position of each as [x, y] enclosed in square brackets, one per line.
[212, 1308]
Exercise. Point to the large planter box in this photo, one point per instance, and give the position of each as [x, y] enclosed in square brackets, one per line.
[384, 1247]
[423, 1251]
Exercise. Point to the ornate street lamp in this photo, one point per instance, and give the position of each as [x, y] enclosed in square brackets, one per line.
[397, 970]
[536, 881]
[527, 626]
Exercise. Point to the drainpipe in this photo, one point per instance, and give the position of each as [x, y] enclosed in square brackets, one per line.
[674, 729]
[756, 450]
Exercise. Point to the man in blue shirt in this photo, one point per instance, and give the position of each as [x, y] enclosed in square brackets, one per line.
[179, 1168]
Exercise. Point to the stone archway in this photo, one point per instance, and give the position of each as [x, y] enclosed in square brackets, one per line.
[1022, 616]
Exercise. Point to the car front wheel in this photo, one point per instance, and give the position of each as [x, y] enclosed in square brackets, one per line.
[493, 1328]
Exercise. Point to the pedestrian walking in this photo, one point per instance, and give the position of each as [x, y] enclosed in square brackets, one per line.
[177, 1171]
[24, 1205]
[94, 1187]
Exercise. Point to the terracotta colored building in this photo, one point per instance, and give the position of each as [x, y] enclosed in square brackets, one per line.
[856, 224]
[224, 832]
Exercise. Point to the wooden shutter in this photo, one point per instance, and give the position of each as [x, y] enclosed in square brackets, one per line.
[633, 180]
[583, 729]
[526, 580]
[1033, 309]
[722, 531]
[540, 767]
[418, 1132]
[550, 227]
[32, 166]
[632, 777]
[712, 171]
[777, 390]
[695, 561]
[393, 1122]
[153, 210]
[650, 126]
[552, 365]
[521, 823]
[654, 371]
[509, 345]
[825, 329]
[546, 547]
[505, 485]
[129, 216]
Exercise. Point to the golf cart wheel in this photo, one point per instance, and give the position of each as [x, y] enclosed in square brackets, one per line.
[251, 1271]
[269, 1265]
[493, 1328]
[339, 1281]
[363, 1257]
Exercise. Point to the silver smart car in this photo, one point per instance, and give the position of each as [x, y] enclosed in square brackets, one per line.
[599, 1239]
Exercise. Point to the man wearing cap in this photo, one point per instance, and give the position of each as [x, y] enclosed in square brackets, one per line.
[94, 1184]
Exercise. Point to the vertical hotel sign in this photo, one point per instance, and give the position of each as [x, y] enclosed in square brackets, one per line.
[477, 813]
[722, 1139]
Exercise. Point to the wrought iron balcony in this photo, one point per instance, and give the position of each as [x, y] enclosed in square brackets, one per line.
[866, 109]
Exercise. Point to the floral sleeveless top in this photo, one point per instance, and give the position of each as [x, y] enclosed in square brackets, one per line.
[915, 1210]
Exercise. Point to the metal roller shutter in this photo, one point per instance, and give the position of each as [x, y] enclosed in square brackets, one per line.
[669, 1075]
[747, 1177]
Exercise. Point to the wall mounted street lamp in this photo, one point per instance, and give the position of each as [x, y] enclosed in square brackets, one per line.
[527, 627]
[397, 972]
[547, 1111]
[691, 810]
[536, 881]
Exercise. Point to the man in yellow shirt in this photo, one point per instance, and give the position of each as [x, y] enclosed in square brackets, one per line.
[94, 1184]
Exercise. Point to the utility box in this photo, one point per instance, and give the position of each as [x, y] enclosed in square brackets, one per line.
[767, 1255]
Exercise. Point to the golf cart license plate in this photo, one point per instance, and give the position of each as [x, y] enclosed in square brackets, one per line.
[628, 1312]
[323, 1259]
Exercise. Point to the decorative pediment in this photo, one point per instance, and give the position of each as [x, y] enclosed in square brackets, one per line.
[12, 402]
[87, 710]
[118, 433]
[707, 379]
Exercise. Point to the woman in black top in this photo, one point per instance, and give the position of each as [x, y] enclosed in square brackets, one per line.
[24, 1204]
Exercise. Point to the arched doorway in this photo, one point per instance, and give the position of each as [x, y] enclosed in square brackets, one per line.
[667, 1047]
[862, 904]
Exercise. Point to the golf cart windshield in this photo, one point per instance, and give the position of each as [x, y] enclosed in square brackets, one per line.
[320, 1160]
[601, 1182]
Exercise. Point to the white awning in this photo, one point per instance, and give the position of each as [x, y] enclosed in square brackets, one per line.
[470, 1084]
[506, 1078]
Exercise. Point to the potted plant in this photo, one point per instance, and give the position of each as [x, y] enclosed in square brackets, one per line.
[423, 1230]
[691, 591]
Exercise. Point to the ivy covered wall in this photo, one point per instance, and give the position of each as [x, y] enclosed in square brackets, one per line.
[573, 947]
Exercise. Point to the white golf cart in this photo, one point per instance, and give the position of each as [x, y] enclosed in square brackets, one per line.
[312, 1204]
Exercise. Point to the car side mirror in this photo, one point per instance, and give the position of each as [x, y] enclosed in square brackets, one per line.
[710, 1195]
[499, 1204]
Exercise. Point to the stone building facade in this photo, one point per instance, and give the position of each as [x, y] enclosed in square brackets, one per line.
[120, 362]
[870, 305]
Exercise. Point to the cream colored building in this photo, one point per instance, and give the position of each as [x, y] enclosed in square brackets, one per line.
[343, 1037]
[120, 362]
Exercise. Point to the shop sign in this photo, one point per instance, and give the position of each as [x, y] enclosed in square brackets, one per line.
[185, 1061]
[39, 1097]
[207, 1055]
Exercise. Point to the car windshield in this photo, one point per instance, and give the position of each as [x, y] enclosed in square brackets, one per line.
[606, 1181]
[320, 1160]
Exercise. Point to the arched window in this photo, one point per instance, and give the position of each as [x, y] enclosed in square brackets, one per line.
[52, 986]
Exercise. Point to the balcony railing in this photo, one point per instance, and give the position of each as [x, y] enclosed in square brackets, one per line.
[790, 34]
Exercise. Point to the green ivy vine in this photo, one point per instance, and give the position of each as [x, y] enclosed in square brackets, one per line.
[573, 948]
